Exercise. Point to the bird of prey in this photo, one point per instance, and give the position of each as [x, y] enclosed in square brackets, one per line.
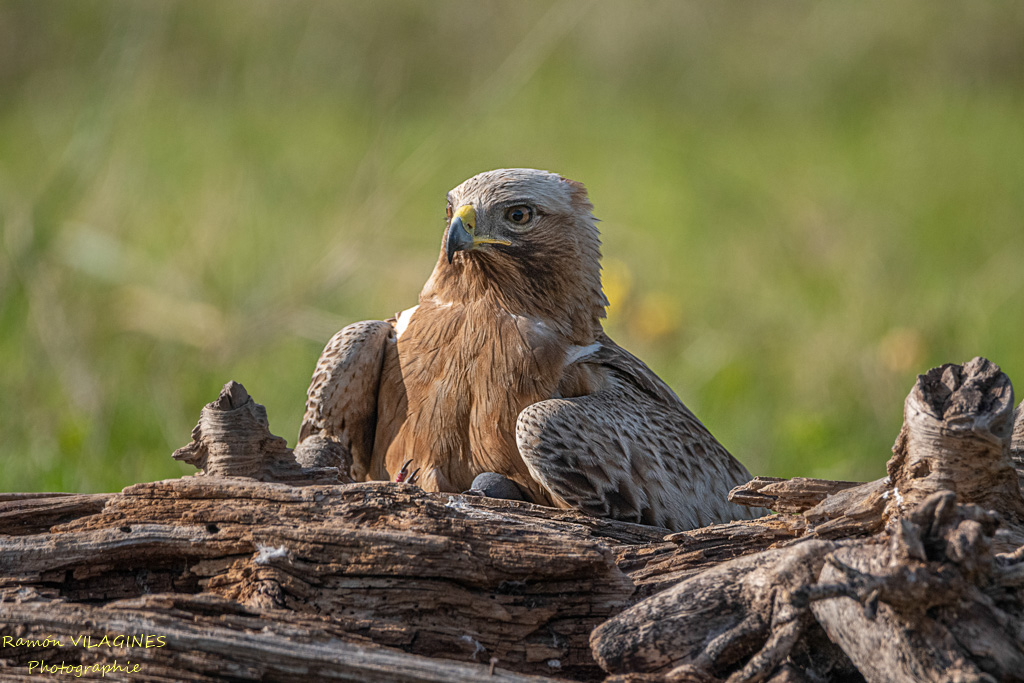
[503, 367]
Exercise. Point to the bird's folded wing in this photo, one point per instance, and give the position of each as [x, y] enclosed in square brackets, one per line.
[341, 403]
[630, 450]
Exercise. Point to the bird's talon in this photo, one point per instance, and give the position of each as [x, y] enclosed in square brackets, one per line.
[404, 471]
[414, 476]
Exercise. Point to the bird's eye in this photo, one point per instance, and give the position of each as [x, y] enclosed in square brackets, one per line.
[448, 211]
[520, 215]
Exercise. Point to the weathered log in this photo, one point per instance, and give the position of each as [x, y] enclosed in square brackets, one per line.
[829, 510]
[434, 575]
[33, 513]
[249, 579]
[654, 567]
[203, 638]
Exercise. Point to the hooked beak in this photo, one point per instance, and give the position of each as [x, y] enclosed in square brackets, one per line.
[459, 237]
[462, 233]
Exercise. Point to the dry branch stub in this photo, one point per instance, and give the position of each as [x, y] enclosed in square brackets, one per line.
[233, 439]
[787, 495]
[958, 421]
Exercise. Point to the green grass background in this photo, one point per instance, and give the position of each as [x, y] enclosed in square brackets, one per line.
[804, 204]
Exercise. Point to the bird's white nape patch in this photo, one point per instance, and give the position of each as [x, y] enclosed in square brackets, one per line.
[577, 353]
[403, 320]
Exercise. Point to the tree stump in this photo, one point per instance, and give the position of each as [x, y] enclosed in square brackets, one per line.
[263, 567]
[957, 425]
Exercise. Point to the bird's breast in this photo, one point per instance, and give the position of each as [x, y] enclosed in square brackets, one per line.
[468, 372]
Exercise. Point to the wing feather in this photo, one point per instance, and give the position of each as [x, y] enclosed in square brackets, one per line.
[341, 403]
[630, 450]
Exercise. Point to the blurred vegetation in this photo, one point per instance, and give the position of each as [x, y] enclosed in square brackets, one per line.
[804, 204]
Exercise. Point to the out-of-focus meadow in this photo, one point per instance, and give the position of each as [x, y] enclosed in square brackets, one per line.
[804, 204]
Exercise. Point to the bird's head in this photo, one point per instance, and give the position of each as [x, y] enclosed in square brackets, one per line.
[529, 239]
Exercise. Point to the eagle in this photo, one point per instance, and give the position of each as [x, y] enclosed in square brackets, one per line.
[503, 373]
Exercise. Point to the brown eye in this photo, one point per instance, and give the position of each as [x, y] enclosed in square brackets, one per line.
[448, 212]
[520, 215]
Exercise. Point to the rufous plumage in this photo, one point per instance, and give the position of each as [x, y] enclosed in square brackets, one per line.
[503, 366]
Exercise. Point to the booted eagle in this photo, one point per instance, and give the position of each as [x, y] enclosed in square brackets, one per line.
[504, 368]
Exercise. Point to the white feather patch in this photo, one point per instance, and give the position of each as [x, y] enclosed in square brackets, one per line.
[577, 353]
[403, 320]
